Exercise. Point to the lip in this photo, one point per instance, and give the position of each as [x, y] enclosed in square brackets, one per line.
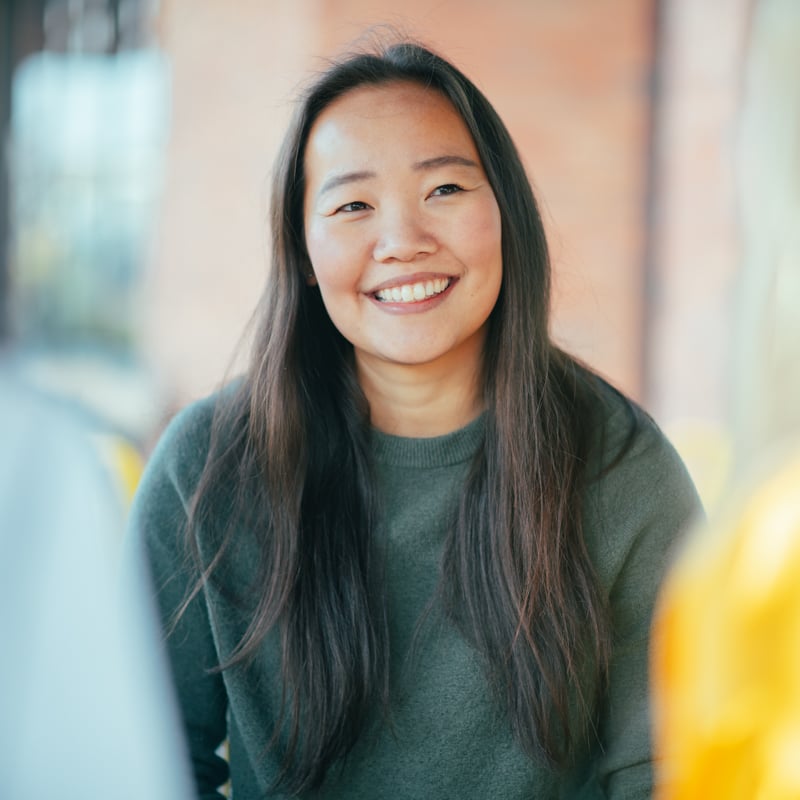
[416, 306]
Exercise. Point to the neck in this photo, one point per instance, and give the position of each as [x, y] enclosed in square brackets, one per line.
[421, 400]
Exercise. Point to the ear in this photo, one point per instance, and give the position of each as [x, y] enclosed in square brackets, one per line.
[311, 279]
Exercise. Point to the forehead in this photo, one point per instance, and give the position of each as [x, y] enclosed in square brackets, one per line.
[399, 112]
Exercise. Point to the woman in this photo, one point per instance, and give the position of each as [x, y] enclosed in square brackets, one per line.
[423, 543]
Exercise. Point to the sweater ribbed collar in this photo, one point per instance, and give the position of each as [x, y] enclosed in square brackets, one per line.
[437, 451]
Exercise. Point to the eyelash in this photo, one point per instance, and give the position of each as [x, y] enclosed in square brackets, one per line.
[452, 188]
[349, 209]
[440, 191]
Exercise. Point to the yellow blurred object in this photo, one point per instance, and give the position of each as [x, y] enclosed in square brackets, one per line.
[125, 463]
[726, 654]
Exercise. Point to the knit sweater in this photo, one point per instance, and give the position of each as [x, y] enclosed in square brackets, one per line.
[447, 739]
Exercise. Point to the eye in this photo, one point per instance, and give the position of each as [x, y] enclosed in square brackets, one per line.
[356, 205]
[447, 188]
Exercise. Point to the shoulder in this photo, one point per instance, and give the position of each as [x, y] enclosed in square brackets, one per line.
[164, 500]
[182, 449]
[180, 456]
[639, 494]
[632, 452]
[48, 450]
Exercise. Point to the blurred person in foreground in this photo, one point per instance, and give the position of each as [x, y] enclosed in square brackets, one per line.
[86, 708]
[727, 652]
[726, 660]
[414, 552]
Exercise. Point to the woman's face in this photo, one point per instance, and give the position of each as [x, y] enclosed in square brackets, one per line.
[402, 227]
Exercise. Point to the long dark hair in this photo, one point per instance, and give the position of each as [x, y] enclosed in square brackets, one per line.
[516, 576]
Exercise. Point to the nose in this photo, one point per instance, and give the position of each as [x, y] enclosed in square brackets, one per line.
[402, 236]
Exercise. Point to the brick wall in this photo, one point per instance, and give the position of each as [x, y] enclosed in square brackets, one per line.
[570, 78]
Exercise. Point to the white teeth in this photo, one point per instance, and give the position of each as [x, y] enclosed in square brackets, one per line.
[413, 292]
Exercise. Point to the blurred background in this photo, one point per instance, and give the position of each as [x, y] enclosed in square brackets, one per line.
[662, 138]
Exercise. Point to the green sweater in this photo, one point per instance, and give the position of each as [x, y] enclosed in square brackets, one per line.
[448, 740]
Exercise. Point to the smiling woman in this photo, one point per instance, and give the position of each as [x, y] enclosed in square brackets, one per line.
[414, 551]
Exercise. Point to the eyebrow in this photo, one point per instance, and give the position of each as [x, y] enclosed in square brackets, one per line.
[429, 163]
[445, 161]
[343, 179]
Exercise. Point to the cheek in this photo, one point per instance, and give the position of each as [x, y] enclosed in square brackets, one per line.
[482, 232]
[326, 256]
[334, 259]
[484, 239]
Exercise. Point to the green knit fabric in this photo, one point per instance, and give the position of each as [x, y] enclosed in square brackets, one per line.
[447, 738]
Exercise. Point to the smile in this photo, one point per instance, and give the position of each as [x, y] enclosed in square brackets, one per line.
[413, 292]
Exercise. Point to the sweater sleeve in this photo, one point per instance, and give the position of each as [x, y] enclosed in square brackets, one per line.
[157, 529]
[642, 507]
